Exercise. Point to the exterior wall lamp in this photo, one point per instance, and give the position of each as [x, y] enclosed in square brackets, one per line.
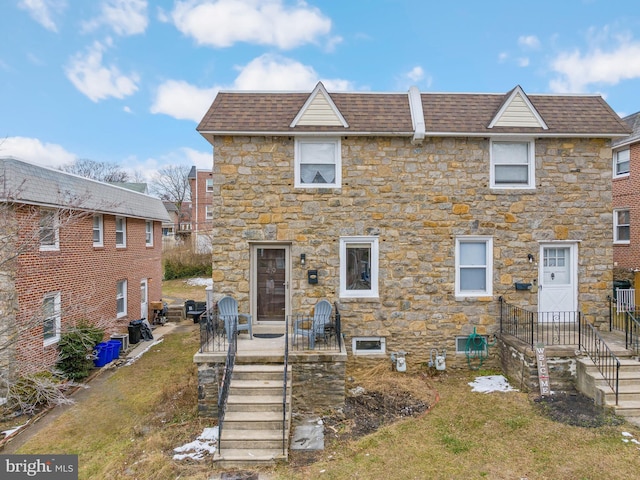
[303, 258]
[530, 257]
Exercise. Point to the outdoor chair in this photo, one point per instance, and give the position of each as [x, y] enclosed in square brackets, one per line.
[314, 328]
[228, 312]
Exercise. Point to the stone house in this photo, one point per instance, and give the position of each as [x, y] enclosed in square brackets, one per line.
[412, 212]
[71, 250]
[626, 203]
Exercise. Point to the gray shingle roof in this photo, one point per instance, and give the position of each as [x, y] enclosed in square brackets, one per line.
[634, 123]
[28, 183]
[389, 114]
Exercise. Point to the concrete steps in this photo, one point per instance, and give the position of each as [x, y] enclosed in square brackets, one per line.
[252, 432]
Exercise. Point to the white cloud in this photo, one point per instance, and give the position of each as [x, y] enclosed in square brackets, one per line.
[578, 71]
[42, 11]
[415, 74]
[502, 57]
[124, 17]
[529, 41]
[221, 23]
[523, 61]
[182, 100]
[97, 81]
[202, 160]
[35, 151]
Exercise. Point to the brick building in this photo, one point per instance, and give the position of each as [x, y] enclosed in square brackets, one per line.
[201, 186]
[414, 211]
[72, 249]
[626, 202]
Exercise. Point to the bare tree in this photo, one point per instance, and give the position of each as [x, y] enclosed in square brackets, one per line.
[101, 171]
[171, 183]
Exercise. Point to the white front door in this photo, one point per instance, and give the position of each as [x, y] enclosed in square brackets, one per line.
[144, 301]
[558, 280]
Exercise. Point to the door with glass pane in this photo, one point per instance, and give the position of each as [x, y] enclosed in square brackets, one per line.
[144, 301]
[557, 291]
[270, 282]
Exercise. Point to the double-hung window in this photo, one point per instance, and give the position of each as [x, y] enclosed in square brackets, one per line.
[359, 267]
[98, 231]
[621, 163]
[208, 212]
[121, 298]
[49, 230]
[474, 266]
[512, 164]
[121, 232]
[51, 318]
[318, 162]
[148, 227]
[621, 226]
[209, 184]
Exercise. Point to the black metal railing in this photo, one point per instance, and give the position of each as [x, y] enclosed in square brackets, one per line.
[632, 333]
[212, 334]
[223, 392]
[601, 355]
[306, 334]
[285, 380]
[532, 327]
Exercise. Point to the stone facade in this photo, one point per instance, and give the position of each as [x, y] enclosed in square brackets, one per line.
[416, 199]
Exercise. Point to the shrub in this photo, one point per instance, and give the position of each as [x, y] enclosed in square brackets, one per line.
[75, 347]
[183, 263]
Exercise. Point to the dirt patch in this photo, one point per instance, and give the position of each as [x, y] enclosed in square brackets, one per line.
[576, 409]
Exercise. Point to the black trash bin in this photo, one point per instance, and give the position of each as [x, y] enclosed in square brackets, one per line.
[135, 328]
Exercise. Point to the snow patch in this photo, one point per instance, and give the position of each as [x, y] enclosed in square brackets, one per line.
[200, 282]
[201, 446]
[491, 383]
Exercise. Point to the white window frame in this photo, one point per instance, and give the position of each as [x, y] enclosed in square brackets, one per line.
[123, 244]
[345, 243]
[55, 317]
[488, 266]
[208, 212]
[460, 341]
[208, 184]
[356, 351]
[121, 294]
[55, 246]
[617, 162]
[617, 226]
[531, 164]
[148, 233]
[98, 227]
[336, 143]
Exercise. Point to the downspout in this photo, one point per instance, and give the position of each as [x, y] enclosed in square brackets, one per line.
[417, 115]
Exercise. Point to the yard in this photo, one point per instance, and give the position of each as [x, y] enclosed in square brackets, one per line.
[130, 419]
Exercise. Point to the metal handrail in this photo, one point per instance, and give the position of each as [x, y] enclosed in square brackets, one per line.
[223, 393]
[601, 355]
[632, 333]
[284, 386]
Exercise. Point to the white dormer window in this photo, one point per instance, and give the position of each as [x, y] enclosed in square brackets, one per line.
[621, 163]
[318, 163]
[512, 164]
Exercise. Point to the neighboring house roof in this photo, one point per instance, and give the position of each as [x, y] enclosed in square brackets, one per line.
[136, 187]
[192, 172]
[25, 182]
[634, 123]
[388, 114]
[170, 206]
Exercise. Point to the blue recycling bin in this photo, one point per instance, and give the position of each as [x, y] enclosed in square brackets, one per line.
[102, 352]
[115, 344]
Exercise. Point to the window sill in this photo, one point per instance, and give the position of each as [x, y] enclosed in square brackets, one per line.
[51, 341]
[622, 244]
[485, 297]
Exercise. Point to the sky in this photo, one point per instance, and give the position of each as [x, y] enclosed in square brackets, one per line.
[127, 81]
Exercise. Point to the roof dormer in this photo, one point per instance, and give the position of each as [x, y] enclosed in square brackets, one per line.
[518, 111]
[319, 110]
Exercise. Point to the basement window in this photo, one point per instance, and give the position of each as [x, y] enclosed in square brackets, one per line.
[461, 344]
[368, 345]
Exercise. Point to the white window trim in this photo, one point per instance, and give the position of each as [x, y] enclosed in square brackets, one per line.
[615, 163]
[56, 315]
[56, 232]
[383, 346]
[338, 156]
[124, 232]
[531, 184]
[99, 243]
[464, 340]
[123, 296]
[148, 233]
[208, 184]
[208, 212]
[373, 293]
[616, 225]
[489, 267]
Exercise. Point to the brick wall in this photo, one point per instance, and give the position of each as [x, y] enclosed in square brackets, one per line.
[416, 199]
[85, 276]
[626, 194]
